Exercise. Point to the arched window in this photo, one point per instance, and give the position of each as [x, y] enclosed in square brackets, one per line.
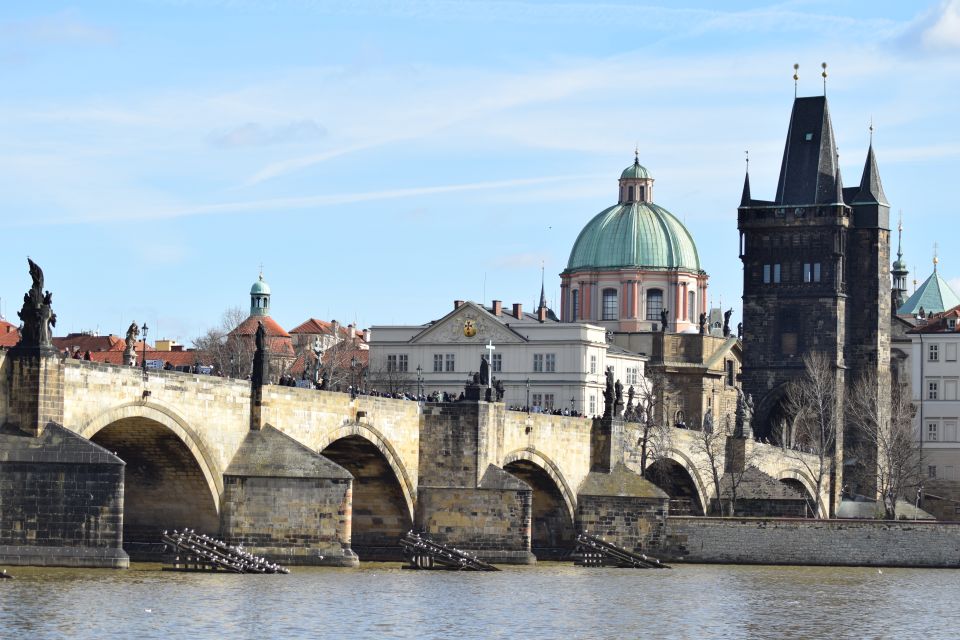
[654, 304]
[609, 304]
[574, 305]
[629, 194]
[691, 307]
[643, 194]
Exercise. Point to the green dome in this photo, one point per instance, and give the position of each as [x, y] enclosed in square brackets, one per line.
[636, 170]
[260, 287]
[639, 235]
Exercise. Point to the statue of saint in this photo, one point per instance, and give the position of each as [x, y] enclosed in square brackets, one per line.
[37, 313]
[663, 319]
[708, 421]
[260, 338]
[608, 394]
[484, 370]
[726, 322]
[740, 330]
[703, 323]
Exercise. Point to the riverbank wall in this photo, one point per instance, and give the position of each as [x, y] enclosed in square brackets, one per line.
[872, 543]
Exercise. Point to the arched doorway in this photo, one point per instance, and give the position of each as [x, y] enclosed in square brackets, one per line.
[164, 486]
[677, 482]
[553, 536]
[380, 513]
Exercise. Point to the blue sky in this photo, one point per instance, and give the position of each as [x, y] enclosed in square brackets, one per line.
[384, 158]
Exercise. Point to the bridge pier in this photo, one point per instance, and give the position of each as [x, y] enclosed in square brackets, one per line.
[61, 496]
[464, 501]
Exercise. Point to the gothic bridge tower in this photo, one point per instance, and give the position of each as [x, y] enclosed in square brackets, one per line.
[815, 274]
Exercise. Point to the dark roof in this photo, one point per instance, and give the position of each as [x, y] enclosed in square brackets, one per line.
[808, 173]
[745, 197]
[871, 190]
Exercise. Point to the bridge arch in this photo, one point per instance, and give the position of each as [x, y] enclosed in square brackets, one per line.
[802, 481]
[553, 534]
[383, 494]
[170, 480]
[677, 469]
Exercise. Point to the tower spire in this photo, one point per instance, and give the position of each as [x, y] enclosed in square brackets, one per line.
[745, 197]
[543, 294]
[900, 236]
[823, 65]
[796, 78]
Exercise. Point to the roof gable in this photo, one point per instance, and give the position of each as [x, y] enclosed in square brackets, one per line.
[468, 323]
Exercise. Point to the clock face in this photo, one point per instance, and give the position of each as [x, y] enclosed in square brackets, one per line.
[469, 328]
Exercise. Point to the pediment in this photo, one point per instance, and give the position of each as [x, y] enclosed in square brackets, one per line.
[469, 324]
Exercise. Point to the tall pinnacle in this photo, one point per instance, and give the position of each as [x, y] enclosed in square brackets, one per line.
[543, 294]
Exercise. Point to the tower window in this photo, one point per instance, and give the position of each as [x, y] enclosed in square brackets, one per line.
[574, 305]
[691, 307]
[629, 194]
[776, 274]
[654, 304]
[643, 194]
[609, 304]
[766, 274]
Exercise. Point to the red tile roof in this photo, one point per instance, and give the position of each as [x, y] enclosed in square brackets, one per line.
[85, 342]
[174, 358]
[249, 327]
[9, 335]
[313, 326]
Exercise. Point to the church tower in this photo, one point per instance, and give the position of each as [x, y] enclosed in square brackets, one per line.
[899, 273]
[815, 273]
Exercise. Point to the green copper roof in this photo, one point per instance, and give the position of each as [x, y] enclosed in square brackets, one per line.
[260, 287]
[636, 170]
[934, 295]
[635, 235]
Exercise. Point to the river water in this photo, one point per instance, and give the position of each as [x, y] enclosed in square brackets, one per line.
[551, 600]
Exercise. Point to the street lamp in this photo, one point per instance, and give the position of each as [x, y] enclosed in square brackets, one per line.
[573, 405]
[143, 330]
[528, 395]
[353, 376]
[419, 382]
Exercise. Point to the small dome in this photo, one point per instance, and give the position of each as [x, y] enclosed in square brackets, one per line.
[637, 235]
[636, 170]
[899, 265]
[260, 287]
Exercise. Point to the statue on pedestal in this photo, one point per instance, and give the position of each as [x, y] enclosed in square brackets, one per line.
[484, 370]
[726, 322]
[37, 314]
[663, 320]
[703, 323]
[130, 353]
[608, 394]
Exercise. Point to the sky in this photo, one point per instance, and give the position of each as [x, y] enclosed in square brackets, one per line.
[382, 159]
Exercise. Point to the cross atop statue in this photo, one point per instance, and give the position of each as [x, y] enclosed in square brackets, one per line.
[486, 378]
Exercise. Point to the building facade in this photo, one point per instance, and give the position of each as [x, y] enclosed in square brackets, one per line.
[540, 361]
[935, 381]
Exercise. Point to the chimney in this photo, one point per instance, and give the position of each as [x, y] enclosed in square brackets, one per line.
[366, 335]
[542, 314]
[176, 347]
[351, 331]
[457, 304]
[497, 308]
[518, 310]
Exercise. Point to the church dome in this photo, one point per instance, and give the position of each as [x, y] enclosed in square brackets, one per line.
[634, 234]
[635, 171]
[260, 288]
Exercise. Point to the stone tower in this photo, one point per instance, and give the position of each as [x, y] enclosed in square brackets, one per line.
[815, 274]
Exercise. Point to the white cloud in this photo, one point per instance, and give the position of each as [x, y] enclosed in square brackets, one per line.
[944, 32]
[256, 134]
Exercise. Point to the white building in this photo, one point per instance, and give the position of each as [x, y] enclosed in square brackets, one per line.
[541, 361]
[935, 380]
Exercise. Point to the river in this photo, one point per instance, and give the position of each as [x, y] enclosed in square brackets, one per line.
[551, 600]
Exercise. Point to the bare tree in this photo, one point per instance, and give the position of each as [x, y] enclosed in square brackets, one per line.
[386, 377]
[230, 354]
[726, 460]
[653, 425]
[883, 439]
[812, 401]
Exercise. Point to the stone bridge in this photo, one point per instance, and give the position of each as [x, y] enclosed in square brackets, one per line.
[320, 477]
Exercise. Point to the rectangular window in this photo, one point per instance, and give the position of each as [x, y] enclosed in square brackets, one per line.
[933, 353]
[538, 400]
[497, 363]
[451, 362]
[437, 362]
[950, 431]
[633, 375]
[816, 272]
[766, 274]
[593, 364]
[391, 362]
[548, 402]
[952, 324]
[609, 304]
[932, 432]
[551, 362]
[949, 389]
[933, 390]
[402, 362]
[538, 362]
[807, 272]
[951, 352]
[574, 305]
[776, 274]
[730, 373]
[593, 405]
[654, 304]
[932, 471]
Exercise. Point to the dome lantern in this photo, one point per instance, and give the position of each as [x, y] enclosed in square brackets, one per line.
[260, 298]
[636, 183]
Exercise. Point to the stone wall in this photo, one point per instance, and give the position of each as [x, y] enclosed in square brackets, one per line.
[61, 501]
[813, 542]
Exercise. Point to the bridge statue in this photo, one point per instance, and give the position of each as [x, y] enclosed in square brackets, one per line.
[744, 416]
[130, 353]
[726, 322]
[484, 371]
[609, 394]
[37, 314]
[261, 361]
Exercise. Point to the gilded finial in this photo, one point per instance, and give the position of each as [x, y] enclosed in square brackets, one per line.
[936, 260]
[823, 65]
[747, 154]
[796, 77]
[871, 129]
[636, 153]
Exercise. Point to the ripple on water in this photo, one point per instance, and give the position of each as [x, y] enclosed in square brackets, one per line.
[548, 601]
